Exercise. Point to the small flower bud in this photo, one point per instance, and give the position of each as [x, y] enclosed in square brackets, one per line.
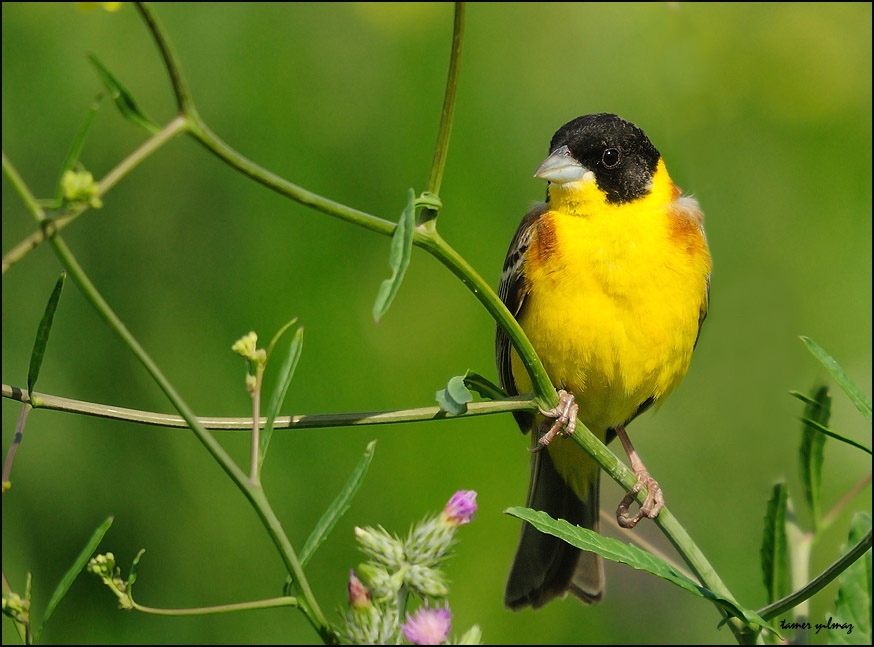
[473, 636]
[359, 596]
[426, 581]
[461, 508]
[378, 580]
[381, 547]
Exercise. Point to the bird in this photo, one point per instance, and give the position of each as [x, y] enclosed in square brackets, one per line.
[610, 280]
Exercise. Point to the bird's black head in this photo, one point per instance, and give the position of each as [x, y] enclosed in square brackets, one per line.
[619, 153]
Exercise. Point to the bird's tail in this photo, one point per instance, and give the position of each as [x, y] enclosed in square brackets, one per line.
[545, 566]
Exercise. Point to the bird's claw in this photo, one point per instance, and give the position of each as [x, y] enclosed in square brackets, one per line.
[651, 506]
[565, 415]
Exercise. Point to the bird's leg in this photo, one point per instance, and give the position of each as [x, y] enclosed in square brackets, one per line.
[654, 501]
[565, 415]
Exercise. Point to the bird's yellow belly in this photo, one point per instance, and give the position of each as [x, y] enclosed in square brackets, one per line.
[614, 324]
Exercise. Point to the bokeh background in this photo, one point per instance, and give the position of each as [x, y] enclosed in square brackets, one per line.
[762, 110]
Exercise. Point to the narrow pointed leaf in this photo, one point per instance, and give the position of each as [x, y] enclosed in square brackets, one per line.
[812, 443]
[124, 100]
[399, 260]
[633, 556]
[71, 575]
[856, 395]
[813, 424]
[851, 624]
[286, 373]
[775, 547]
[42, 335]
[339, 506]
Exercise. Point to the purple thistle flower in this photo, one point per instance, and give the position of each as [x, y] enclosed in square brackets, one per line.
[460, 508]
[428, 626]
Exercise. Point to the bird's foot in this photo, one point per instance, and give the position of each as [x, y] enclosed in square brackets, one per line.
[565, 415]
[651, 506]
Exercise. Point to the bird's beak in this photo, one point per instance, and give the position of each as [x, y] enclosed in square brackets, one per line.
[561, 167]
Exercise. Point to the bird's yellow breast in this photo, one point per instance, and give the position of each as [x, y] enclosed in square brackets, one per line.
[614, 297]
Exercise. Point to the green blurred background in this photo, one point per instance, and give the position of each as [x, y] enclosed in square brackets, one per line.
[762, 110]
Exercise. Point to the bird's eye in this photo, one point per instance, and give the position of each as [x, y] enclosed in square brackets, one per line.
[610, 157]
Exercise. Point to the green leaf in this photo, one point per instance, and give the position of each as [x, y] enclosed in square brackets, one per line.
[775, 547]
[851, 624]
[286, 373]
[336, 510]
[813, 424]
[125, 101]
[339, 506]
[616, 551]
[483, 386]
[862, 401]
[42, 335]
[71, 575]
[401, 252]
[818, 409]
[454, 398]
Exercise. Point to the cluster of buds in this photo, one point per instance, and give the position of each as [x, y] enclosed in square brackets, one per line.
[397, 568]
[103, 566]
[16, 607]
[80, 186]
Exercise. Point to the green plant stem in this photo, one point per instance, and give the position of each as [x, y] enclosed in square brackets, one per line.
[441, 150]
[56, 403]
[212, 142]
[32, 204]
[255, 463]
[181, 90]
[272, 603]
[818, 583]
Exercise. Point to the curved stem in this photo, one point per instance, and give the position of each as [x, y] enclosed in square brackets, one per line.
[313, 421]
[201, 132]
[181, 91]
[222, 608]
[818, 583]
[441, 150]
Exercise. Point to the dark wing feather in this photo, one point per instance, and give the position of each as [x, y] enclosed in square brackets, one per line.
[512, 290]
